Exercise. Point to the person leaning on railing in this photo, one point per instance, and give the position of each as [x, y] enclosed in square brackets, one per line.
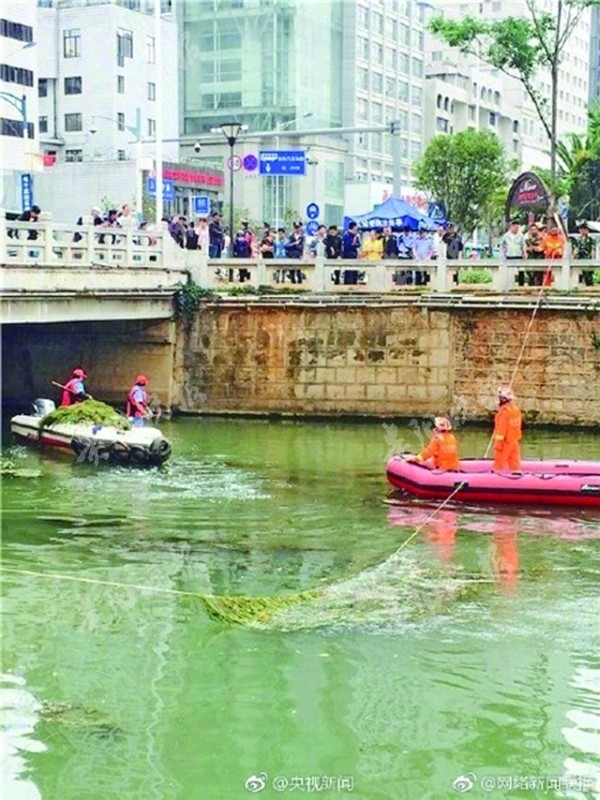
[584, 249]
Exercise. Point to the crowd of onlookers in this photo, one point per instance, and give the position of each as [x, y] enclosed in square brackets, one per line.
[546, 242]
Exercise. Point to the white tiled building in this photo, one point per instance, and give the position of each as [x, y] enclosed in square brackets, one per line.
[97, 79]
[19, 147]
[513, 103]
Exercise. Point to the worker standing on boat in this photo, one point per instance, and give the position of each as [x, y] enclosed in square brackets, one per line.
[443, 447]
[74, 390]
[507, 432]
[138, 408]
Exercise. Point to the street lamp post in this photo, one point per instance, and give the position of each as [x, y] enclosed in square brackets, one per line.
[20, 103]
[231, 132]
[136, 131]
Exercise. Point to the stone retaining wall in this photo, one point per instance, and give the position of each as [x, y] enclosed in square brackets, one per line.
[388, 360]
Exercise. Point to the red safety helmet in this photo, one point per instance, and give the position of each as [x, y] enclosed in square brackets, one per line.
[141, 380]
[79, 373]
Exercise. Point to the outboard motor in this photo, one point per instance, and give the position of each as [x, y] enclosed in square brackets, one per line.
[43, 406]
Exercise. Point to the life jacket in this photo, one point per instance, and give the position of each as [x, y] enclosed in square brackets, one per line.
[443, 449]
[132, 404]
[507, 427]
[70, 392]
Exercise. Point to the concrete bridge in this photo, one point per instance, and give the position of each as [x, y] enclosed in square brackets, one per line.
[104, 298]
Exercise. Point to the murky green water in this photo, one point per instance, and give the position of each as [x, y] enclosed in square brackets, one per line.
[477, 650]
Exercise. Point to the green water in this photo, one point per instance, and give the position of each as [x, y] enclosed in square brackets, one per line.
[392, 687]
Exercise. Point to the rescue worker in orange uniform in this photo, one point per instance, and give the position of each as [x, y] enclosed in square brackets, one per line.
[507, 432]
[443, 447]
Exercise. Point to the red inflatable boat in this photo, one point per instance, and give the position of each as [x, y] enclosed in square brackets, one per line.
[562, 483]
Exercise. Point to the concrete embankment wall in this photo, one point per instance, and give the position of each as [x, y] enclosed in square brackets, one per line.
[387, 360]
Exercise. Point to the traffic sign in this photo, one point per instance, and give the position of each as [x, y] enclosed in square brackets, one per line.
[250, 162]
[234, 164]
[202, 204]
[312, 211]
[282, 162]
[312, 227]
[168, 188]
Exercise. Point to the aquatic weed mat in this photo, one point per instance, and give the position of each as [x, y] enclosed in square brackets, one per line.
[392, 594]
[89, 412]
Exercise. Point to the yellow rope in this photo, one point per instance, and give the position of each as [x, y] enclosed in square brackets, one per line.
[418, 529]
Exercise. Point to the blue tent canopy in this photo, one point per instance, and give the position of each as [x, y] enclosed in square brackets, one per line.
[396, 213]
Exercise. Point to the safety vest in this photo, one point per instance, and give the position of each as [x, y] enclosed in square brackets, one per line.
[133, 403]
[70, 392]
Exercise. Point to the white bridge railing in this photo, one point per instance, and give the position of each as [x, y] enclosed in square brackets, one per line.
[46, 244]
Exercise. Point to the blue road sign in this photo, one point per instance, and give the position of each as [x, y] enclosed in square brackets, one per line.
[312, 211]
[168, 188]
[26, 191]
[312, 227]
[282, 162]
[202, 204]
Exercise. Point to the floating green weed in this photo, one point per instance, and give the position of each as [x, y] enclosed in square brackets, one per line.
[91, 412]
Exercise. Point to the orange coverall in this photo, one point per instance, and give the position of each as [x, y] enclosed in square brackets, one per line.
[507, 436]
[443, 448]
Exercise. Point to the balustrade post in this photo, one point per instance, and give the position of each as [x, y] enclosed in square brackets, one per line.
[441, 269]
[564, 280]
[502, 275]
[319, 275]
[3, 237]
[90, 232]
[45, 221]
[261, 272]
[129, 248]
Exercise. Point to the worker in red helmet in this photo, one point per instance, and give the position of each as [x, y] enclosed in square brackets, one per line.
[443, 447]
[138, 408]
[74, 390]
[507, 432]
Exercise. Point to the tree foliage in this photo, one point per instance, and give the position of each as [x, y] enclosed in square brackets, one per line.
[579, 170]
[462, 171]
[523, 48]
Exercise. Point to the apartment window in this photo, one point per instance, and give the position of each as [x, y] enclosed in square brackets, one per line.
[363, 108]
[377, 53]
[23, 77]
[377, 112]
[150, 50]
[121, 121]
[391, 58]
[378, 82]
[73, 85]
[415, 150]
[416, 123]
[403, 63]
[441, 124]
[515, 125]
[43, 124]
[73, 122]
[14, 127]
[417, 96]
[42, 87]
[151, 127]
[363, 17]
[390, 87]
[120, 84]
[363, 48]
[121, 155]
[493, 118]
[376, 142]
[125, 42]
[72, 43]
[151, 91]
[73, 155]
[15, 30]
[403, 91]
[417, 67]
[362, 78]
[472, 112]
[377, 20]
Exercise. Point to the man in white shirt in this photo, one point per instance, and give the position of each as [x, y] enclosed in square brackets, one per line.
[512, 243]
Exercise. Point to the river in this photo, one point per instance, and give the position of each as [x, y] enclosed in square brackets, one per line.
[468, 663]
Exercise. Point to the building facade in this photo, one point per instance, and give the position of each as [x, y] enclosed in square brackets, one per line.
[97, 84]
[514, 103]
[291, 65]
[19, 153]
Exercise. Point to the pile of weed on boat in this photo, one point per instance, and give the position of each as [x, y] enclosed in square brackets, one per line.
[89, 412]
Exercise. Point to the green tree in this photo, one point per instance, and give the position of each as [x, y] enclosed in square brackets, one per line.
[525, 48]
[461, 171]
